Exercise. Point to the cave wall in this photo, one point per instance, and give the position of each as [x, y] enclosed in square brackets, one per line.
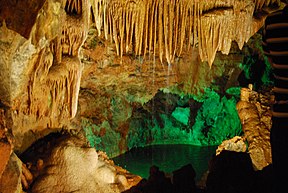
[131, 101]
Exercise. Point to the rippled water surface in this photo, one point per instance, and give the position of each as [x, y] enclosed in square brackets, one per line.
[167, 157]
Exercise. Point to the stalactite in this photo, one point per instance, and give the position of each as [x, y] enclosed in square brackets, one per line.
[176, 28]
[160, 30]
[98, 10]
[151, 26]
[145, 25]
[73, 7]
[164, 27]
[170, 31]
[70, 42]
[141, 22]
[183, 16]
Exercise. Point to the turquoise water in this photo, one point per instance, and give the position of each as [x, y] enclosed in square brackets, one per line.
[167, 157]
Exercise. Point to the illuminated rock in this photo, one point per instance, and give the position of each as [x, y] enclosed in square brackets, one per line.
[5, 145]
[164, 27]
[71, 167]
[40, 64]
[10, 181]
[40, 41]
[256, 124]
[237, 144]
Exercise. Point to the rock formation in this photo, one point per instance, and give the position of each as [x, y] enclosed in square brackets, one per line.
[164, 27]
[41, 69]
[236, 144]
[255, 115]
[82, 169]
[10, 180]
[5, 143]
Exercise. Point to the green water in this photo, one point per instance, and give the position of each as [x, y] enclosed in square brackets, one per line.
[167, 157]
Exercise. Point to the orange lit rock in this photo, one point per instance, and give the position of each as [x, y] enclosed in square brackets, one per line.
[256, 124]
[73, 167]
[237, 144]
[11, 177]
[162, 28]
[5, 145]
[40, 67]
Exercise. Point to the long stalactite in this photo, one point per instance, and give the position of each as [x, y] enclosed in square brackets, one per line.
[164, 27]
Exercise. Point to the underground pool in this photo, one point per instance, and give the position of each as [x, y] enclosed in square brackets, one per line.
[167, 157]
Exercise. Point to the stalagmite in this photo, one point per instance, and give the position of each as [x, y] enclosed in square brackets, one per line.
[164, 27]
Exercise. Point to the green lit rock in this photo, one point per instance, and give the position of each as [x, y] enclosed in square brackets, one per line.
[182, 115]
[234, 91]
[102, 137]
[216, 120]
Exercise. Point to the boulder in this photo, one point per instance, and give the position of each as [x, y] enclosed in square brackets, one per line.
[74, 167]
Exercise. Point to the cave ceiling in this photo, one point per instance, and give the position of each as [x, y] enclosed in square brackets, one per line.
[40, 43]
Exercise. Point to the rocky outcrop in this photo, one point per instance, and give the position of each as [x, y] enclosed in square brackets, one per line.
[255, 115]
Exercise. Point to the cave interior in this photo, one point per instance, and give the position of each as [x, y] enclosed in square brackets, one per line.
[86, 81]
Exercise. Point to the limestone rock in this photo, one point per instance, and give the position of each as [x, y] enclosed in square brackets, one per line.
[237, 144]
[5, 143]
[164, 27]
[256, 124]
[10, 182]
[40, 70]
[74, 168]
[39, 67]
[106, 174]
[15, 14]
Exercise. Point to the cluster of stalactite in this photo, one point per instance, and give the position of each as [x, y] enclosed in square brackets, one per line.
[165, 27]
[58, 98]
[54, 79]
[64, 84]
[73, 7]
[71, 40]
